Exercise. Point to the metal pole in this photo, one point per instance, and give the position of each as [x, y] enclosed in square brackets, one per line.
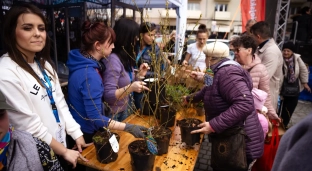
[54, 38]
[112, 13]
[295, 35]
[67, 29]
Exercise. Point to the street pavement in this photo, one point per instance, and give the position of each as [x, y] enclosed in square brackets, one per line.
[203, 161]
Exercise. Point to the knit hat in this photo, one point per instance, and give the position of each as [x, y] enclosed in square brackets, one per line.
[290, 46]
[259, 97]
[216, 49]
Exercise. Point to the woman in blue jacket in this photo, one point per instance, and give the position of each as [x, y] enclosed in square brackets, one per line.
[85, 83]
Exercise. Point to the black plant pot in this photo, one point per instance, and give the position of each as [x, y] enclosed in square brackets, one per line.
[158, 90]
[104, 151]
[148, 108]
[141, 158]
[187, 126]
[162, 138]
[167, 115]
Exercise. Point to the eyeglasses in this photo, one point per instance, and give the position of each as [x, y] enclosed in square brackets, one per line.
[238, 49]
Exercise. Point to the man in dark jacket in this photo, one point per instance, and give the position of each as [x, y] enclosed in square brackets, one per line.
[295, 148]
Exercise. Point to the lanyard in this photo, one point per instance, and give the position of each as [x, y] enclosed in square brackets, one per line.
[49, 92]
[140, 54]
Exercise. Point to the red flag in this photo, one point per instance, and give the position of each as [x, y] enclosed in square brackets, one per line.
[252, 9]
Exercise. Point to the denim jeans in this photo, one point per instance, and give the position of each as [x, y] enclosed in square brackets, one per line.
[119, 116]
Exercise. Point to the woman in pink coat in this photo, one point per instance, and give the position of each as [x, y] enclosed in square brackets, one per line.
[244, 48]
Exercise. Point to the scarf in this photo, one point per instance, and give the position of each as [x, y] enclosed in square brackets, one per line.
[4, 146]
[208, 77]
[291, 69]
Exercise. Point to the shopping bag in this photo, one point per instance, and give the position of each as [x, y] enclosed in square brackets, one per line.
[265, 163]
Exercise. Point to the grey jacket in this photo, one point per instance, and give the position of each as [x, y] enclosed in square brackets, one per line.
[23, 153]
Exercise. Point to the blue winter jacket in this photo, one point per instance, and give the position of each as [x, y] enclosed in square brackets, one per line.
[85, 91]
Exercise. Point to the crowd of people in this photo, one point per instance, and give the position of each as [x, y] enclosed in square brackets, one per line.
[105, 86]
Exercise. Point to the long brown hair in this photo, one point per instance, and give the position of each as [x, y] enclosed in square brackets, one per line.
[10, 43]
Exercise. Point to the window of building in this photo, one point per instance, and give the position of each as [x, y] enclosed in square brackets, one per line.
[221, 7]
[193, 6]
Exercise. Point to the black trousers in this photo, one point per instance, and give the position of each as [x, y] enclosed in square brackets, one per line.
[288, 108]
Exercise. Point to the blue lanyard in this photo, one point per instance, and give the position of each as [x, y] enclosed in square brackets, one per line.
[140, 54]
[49, 92]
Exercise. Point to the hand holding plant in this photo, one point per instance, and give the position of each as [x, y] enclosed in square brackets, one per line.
[136, 130]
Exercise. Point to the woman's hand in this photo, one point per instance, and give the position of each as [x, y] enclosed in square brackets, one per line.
[71, 156]
[196, 75]
[143, 70]
[205, 128]
[306, 86]
[80, 143]
[138, 86]
[184, 62]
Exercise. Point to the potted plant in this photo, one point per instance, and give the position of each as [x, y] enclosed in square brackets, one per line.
[188, 125]
[141, 158]
[104, 151]
[162, 136]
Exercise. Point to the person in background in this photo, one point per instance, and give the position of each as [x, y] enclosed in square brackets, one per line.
[31, 86]
[294, 68]
[295, 151]
[184, 49]
[119, 77]
[304, 29]
[270, 56]
[229, 100]
[248, 25]
[245, 48]
[170, 45]
[148, 52]
[194, 54]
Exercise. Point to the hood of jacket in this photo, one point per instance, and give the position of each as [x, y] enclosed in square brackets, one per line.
[254, 62]
[77, 61]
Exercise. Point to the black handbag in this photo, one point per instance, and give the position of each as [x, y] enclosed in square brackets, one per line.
[228, 150]
[290, 89]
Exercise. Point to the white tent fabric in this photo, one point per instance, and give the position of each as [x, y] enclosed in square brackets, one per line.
[181, 9]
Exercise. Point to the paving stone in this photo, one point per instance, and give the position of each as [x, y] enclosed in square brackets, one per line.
[207, 156]
[203, 166]
[203, 161]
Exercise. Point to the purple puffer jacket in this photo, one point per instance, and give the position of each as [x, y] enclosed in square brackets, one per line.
[229, 102]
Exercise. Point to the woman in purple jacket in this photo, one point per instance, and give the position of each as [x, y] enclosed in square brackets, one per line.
[228, 101]
[119, 79]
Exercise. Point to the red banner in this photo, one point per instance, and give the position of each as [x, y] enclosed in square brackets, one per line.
[252, 9]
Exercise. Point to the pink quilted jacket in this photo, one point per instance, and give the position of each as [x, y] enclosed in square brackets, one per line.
[261, 80]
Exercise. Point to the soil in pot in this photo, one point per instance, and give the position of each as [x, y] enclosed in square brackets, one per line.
[104, 151]
[186, 126]
[162, 136]
[141, 158]
[167, 115]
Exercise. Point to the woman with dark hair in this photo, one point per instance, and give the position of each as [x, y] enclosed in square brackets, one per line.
[31, 86]
[148, 51]
[85, 82]
[245, 48]
[304, 20]
[194, 54]
[119, 78]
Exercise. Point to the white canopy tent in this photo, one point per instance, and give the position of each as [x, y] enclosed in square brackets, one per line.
[181, 10]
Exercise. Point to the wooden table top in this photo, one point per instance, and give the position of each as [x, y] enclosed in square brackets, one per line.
[179, 157]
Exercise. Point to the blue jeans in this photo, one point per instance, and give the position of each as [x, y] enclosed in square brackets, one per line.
[119, 116]
[137, 97]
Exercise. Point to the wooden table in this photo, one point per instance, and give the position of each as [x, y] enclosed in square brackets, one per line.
[179, 157]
